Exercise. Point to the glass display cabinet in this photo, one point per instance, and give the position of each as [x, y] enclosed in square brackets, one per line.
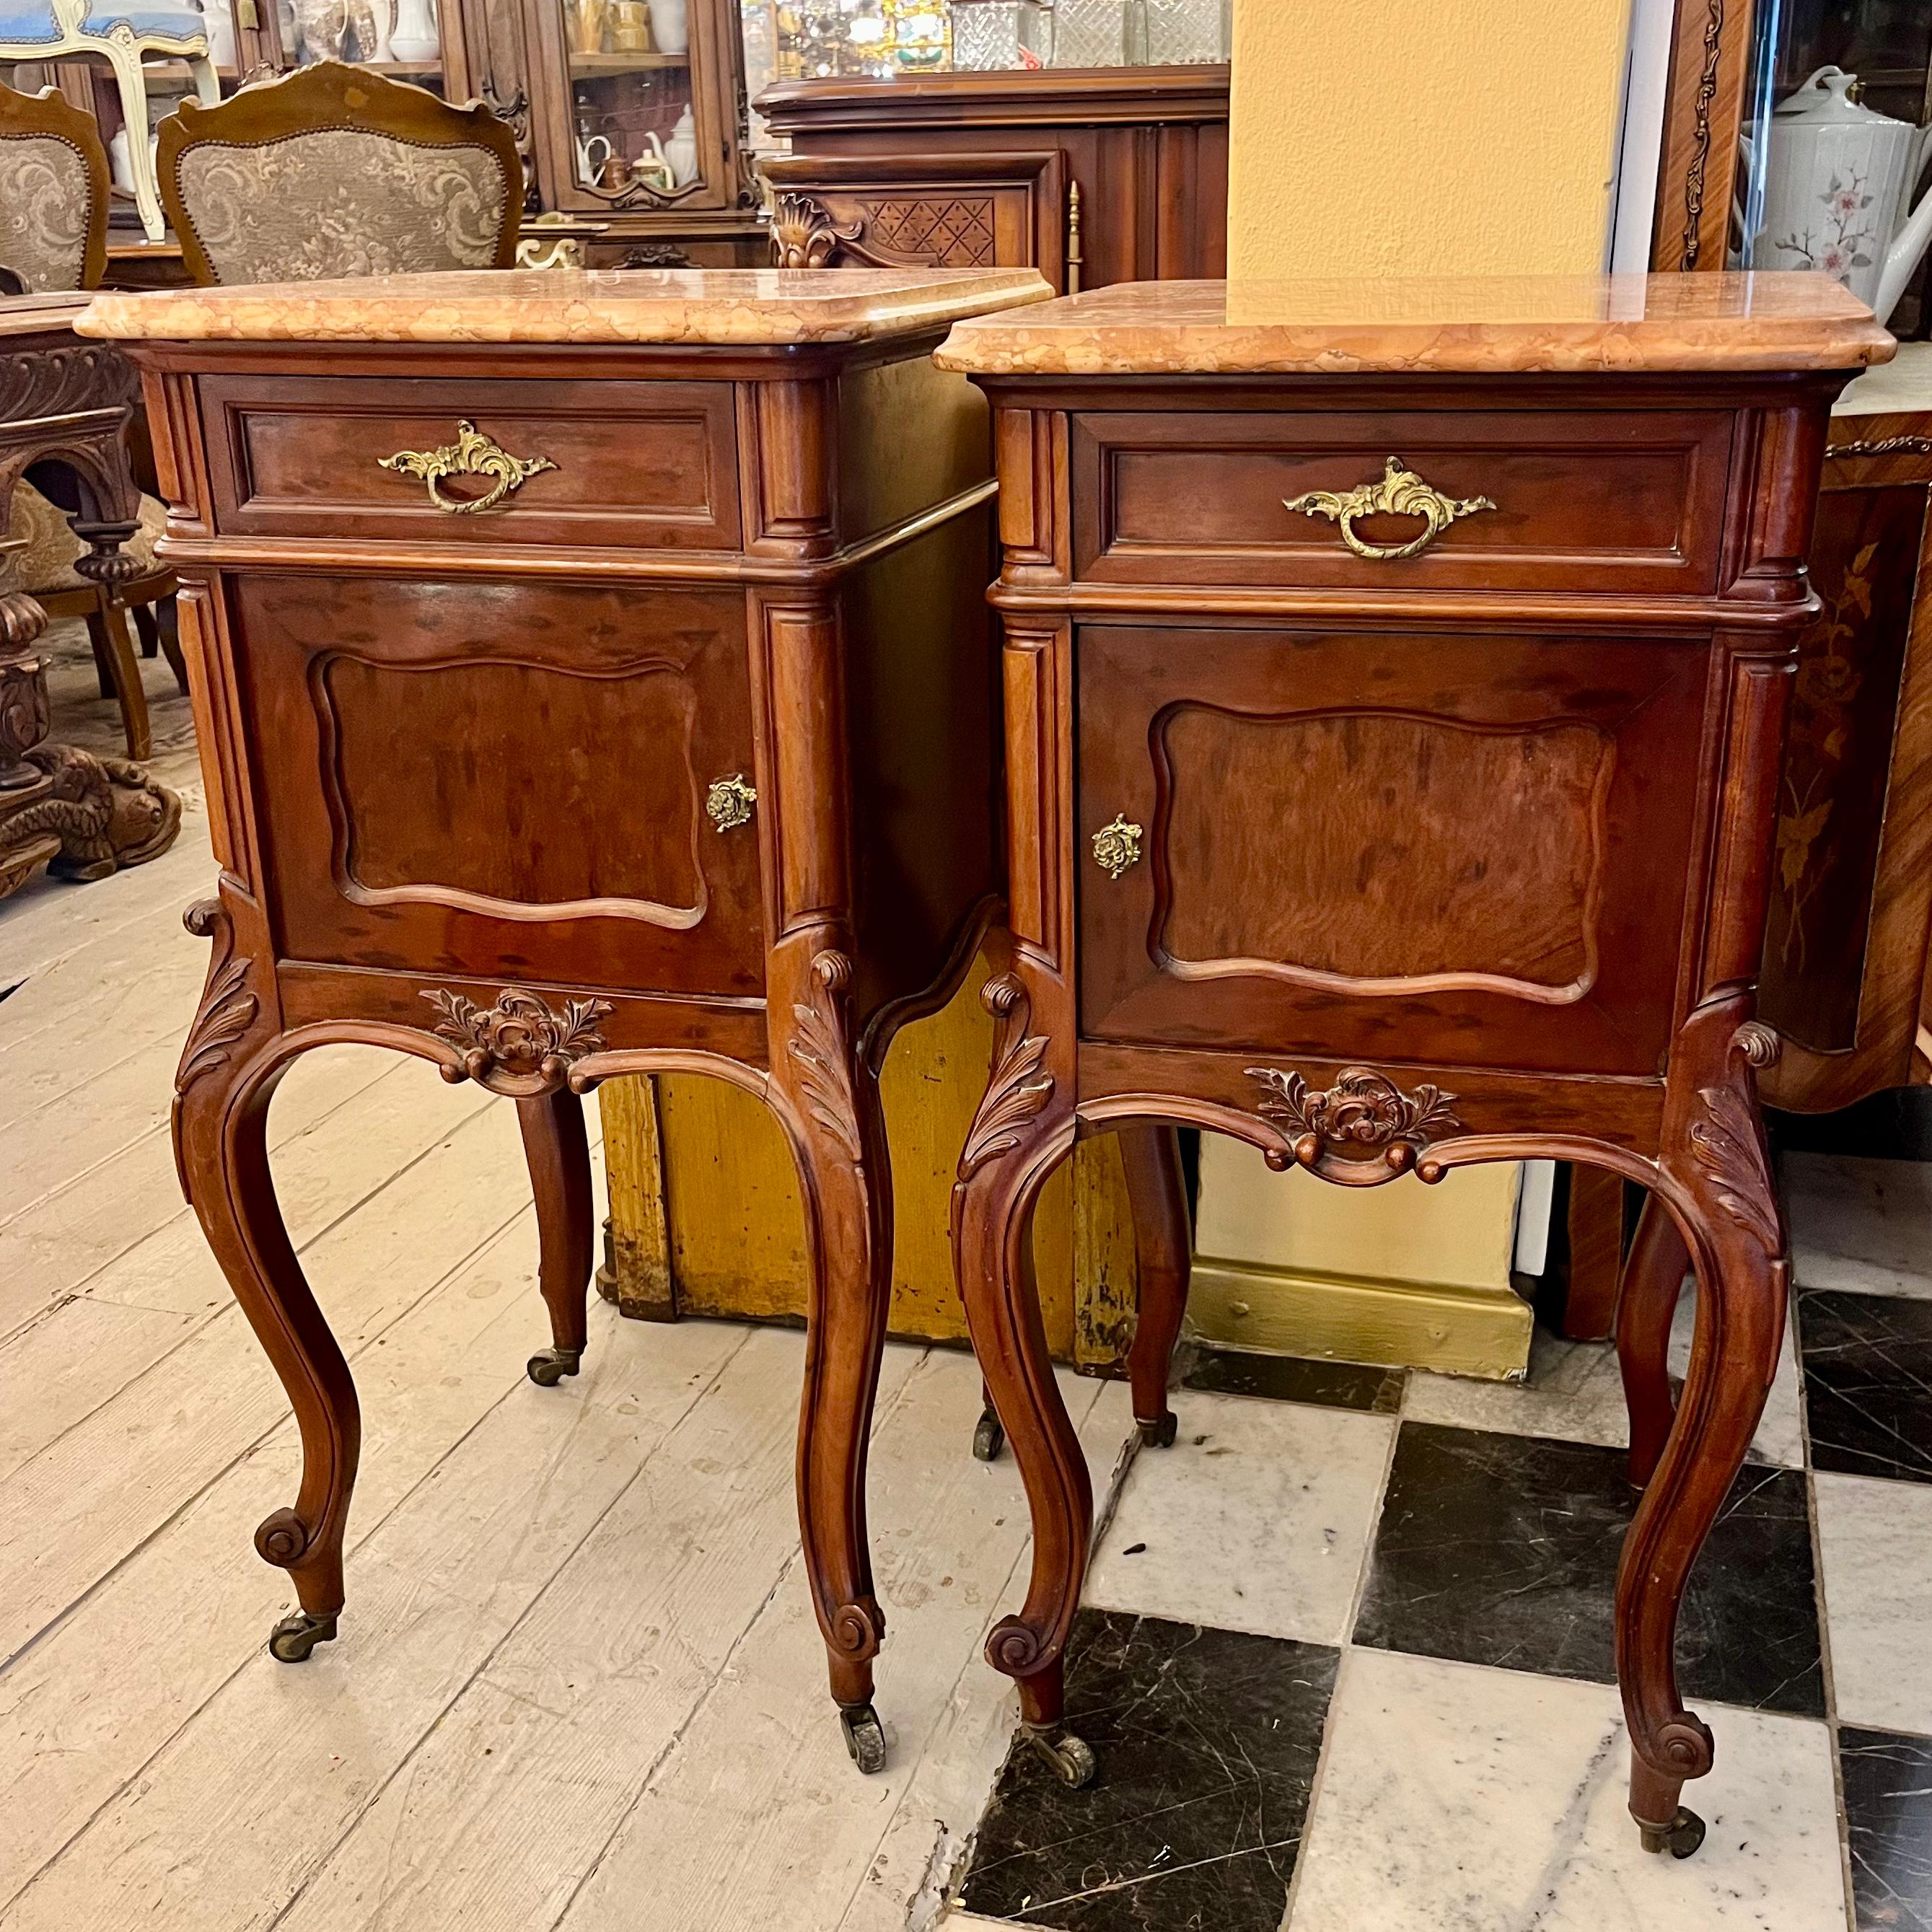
[1834, 147]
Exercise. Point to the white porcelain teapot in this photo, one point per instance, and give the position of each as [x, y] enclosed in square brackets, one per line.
[1838, 182]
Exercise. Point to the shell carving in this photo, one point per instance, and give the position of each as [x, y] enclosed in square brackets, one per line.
[1364, 1129]
[518, 1046]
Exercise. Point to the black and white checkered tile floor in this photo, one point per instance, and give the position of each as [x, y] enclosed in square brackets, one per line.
[1347, 1655]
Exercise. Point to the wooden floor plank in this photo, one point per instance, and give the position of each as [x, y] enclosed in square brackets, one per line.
[493, 1821]
[236, 1809]
[753, 1818]
[113, 1481]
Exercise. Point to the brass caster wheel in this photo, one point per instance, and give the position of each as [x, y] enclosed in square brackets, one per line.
[1680, 1837]
[1071, 1758]
[548, 1366]
[1158, 1435]
[295, 1637]
[864, 1739]
[989, 1438]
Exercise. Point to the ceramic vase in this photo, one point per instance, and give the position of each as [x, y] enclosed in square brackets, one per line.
[670, 29]
[681, 150]
[218, 17]
[414, 36]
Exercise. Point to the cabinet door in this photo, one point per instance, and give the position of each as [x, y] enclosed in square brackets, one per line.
[503, 780]
[1388, 845]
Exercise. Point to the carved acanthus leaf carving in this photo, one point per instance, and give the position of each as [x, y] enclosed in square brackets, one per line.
[66, 381]
[804, 235]
[1728, 1144]
[821, 1049]
[1020, 1087]
[1363, 1121]
[519, 1046]
[228, 1008]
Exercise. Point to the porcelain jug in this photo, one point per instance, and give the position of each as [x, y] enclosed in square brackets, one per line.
[414, 37]
[1839, 179]
[681, 150]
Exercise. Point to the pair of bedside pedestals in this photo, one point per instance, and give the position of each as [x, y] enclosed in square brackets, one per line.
[593, 677]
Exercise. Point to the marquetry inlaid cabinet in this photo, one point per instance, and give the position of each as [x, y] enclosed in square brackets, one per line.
[591, 677]
[1395, 677]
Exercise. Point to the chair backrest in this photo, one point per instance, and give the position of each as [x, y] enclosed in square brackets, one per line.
[332, 170]
[53, 194]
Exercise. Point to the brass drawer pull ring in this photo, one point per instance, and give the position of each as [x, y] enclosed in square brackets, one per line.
[1118, 846]
[472, 454]
[1401, 493]
[728, 802]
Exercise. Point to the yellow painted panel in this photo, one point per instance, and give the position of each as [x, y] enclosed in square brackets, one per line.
[1390, 137]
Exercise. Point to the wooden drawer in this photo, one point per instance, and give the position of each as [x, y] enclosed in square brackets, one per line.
[1464, 850]
[1625, 500]
[503, 780]
[641, 465]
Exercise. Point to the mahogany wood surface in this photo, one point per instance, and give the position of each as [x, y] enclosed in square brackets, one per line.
[1391, 866]
[463, 776]
[1091, 176]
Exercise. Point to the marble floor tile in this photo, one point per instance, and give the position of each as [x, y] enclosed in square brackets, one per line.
[1868, 1384]
[1460, 1800]
[1860, 1225]
[1257, 1519]
[1207, 1742]
[1877, 1541]
[1502, 1550]
[1574, 1393]
[1888, 1829]
[1294, 1379]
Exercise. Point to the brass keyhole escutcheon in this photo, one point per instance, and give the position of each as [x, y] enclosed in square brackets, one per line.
[728, 802]
[1118, 846]
[1400, 492]
[472, 454]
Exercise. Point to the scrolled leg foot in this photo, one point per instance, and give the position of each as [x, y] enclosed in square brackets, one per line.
[988, 1438]
[865, 1739]
[295, 1636]
[548, 1366]
[1070, 1758]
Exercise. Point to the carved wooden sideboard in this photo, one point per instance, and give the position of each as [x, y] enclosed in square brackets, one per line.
[592, 678]
[1093, 176]
[64, 408]
[1391, 764]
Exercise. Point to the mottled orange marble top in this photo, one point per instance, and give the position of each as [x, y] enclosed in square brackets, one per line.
[1466, 323]
[643, 305]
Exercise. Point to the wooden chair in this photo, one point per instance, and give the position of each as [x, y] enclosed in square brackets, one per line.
[334, 170]
[123, 34]
[53, 234]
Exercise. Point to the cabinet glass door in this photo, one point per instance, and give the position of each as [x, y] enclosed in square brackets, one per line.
[1836, 150]
[651, 111]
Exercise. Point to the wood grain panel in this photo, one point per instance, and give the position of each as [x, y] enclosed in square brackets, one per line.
[1379, 888]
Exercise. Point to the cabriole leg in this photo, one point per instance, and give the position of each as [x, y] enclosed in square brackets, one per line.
[229, 1071]
[1163, 1247]
[1013, 1147]
[1729, 1221]
[559, 1153]
[1646, 1305]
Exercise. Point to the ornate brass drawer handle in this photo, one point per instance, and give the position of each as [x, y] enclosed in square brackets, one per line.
[1401, 493]
[472, 454]
[1118, 846]
[728, 802]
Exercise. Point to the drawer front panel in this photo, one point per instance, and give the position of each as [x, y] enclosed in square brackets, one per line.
[1461, 850]
[643, 465]
[452, 774]
[1630, 501]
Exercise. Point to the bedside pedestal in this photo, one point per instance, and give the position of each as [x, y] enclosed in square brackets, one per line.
[591, 676]
[1395, 678]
